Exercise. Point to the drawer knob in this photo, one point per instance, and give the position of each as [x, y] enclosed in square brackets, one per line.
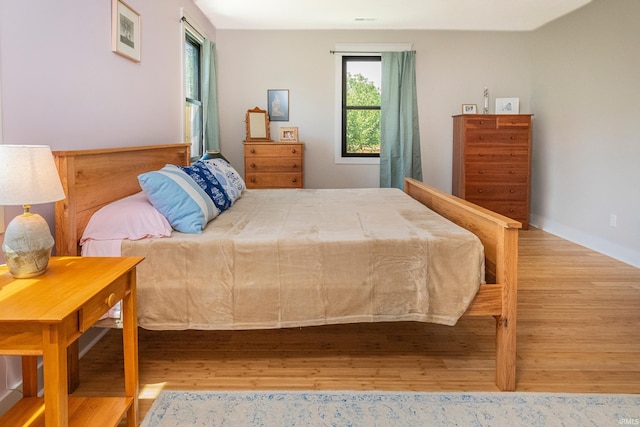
[111, 300]
[294, 180]
[480, 172]
[513, 137]
[253, 180]
[481, 138]
[480, 190]
[252, 165]
[481, 122]
[293, 150]
[512, 191]
[252, 151]
[294, 166]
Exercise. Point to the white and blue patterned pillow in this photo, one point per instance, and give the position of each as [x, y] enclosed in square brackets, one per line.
[203, 176]
[230, 179]
[187, 207]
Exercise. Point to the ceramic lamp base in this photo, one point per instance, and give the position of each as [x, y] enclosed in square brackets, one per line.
[27, 246]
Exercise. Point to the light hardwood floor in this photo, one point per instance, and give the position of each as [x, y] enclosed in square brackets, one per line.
[578, 331]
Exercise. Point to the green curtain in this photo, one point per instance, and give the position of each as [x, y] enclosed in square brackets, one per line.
[399, 129]
[210, 120]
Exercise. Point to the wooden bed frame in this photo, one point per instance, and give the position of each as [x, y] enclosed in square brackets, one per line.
[93, 178]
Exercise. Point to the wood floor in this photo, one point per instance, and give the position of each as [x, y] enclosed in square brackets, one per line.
[578, 331]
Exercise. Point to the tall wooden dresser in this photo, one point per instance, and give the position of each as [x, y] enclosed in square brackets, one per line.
[274, 164]
[492, 162]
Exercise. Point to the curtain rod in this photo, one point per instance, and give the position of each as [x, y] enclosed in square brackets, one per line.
[184, 19]
[353, 51]
[357, 51]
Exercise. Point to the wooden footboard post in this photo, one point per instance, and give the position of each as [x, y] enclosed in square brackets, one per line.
[498, 298]
[507, 275]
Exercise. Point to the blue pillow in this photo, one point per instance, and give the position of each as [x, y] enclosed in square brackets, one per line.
[179, 198]
[201, 174]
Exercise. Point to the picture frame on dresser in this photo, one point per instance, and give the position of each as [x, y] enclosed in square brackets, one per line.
[125, 31]
[278, 105]
[469, 109]
[507, 105]
[288, 134]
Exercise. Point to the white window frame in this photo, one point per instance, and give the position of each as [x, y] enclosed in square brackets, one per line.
[355, 49]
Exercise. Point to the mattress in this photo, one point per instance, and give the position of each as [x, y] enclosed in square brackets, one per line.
[304, 257]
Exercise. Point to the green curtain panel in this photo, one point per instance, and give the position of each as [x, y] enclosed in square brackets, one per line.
[399, 128]
[211, 123]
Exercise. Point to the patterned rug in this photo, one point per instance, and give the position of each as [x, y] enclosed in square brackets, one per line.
[284, 408]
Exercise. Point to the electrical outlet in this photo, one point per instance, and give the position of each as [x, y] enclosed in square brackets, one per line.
[613, 220]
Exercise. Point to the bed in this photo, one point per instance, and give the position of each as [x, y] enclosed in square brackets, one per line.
[85, 172]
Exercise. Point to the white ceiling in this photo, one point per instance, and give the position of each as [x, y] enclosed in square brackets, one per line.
[499, 15]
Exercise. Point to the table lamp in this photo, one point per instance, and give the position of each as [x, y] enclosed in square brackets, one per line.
[28, 175]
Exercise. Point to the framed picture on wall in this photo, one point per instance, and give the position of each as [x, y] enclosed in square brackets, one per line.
[125, 30]
[278, 105]
[507, 105]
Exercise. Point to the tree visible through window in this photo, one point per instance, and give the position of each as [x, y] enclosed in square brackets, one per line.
[361, 98]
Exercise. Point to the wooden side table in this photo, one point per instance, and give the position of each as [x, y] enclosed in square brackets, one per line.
[44, 314]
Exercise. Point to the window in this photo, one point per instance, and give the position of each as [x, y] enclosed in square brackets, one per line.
[361, 98]
[193, 95]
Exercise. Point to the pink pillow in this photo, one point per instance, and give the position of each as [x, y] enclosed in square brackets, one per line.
[133, 218]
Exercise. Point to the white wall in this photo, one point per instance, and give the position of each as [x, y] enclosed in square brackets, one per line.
[62, 86]
[452, 69]
[586, 88]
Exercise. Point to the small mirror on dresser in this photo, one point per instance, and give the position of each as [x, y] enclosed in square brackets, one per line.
[257, 122]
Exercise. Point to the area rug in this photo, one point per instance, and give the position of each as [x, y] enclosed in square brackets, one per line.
[340, 408]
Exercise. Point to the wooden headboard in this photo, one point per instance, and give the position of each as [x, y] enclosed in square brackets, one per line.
[93, 178]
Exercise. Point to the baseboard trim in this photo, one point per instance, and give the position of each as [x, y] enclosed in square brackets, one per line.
[597, 244]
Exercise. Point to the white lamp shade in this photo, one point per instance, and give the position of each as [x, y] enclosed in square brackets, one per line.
[28, 175]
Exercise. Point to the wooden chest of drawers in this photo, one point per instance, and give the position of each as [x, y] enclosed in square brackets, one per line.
[492, 162]
[274, 164]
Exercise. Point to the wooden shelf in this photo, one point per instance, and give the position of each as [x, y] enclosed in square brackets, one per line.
[83, 411]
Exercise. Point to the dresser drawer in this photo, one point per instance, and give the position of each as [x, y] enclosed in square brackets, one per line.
[495, 191]
[272, 150]
[496, 172]
[481, 123]
[273, 180]
[521, 122]
[273, 164]
[503, 153]
[511, 136]
[517, 210]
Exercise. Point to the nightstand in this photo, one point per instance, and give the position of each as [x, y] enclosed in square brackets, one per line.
[43, 315]
[274, 164]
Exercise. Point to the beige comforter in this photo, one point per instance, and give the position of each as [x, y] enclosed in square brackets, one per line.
[284, 258]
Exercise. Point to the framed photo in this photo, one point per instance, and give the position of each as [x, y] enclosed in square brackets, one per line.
[288, 134]
[278, 105]
[507, 105]
[125, 30]
[469, 109]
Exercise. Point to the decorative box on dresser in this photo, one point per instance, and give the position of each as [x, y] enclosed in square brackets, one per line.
[492, 162]
[274, 164]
